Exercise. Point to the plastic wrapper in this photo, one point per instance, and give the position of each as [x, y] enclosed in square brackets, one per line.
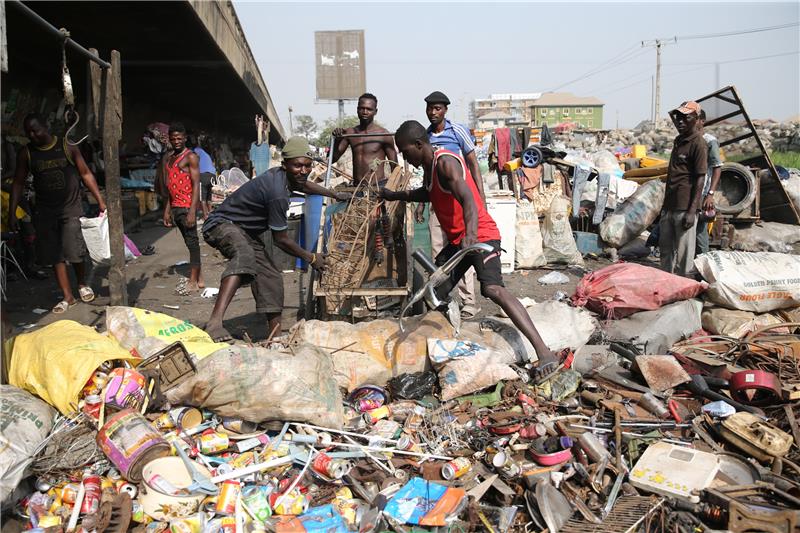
[412, 386]
[559, 243]
[765, 237]
[634, 216]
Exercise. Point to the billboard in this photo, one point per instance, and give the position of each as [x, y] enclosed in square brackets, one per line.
[341, 67]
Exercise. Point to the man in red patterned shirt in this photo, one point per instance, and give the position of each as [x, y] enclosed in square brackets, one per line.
[182, 175]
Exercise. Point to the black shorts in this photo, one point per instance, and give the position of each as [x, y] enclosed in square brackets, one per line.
[58, 239]
[487, 265]
[248, 258]
[205, 186]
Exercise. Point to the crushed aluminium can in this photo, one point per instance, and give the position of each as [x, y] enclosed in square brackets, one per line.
[329, 467]
[456, 468]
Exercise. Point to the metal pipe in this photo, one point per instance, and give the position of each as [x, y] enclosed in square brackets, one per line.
[55, 31]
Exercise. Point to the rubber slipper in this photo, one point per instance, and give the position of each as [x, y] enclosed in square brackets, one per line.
[87, 294]
[62, 306]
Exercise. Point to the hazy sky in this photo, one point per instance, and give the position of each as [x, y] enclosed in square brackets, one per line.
[469, 50]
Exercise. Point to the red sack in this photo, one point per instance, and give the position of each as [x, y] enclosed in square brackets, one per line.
[622, 289]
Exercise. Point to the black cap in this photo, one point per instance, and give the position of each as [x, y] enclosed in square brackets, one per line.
[437, 97]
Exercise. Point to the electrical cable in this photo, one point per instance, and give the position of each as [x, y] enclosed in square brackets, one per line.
[737, 32]
[625, 55]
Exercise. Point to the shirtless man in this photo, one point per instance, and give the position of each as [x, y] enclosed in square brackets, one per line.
[365, 149]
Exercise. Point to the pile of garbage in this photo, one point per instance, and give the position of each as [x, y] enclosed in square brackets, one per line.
[674, 408]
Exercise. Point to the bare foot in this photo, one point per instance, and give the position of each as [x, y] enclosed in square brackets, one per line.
[218, 333]
[194, 286]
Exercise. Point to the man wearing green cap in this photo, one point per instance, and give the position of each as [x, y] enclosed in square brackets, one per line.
[235, 229]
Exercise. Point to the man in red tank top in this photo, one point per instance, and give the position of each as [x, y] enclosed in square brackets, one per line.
[182, 176]
[458, 206]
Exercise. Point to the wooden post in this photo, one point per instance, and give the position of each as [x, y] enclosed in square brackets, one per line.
[112, 133]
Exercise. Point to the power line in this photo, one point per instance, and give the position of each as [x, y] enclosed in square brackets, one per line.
[742, 60]
[737, 32]
[625, 55]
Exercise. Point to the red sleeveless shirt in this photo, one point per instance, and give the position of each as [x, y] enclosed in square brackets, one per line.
[449, 211]
[179, 183]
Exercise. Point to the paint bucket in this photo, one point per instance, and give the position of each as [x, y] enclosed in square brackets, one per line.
[130, 442]
[162, 506]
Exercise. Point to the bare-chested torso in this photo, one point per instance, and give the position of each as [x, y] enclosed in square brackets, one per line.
[368, 149]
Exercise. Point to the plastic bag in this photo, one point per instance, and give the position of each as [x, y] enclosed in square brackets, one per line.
[257, 384]
[622, 289]
[792, 187]
[634, 216]
[528, 252]
[765, 237]
[737, 324]
[25, 421]
[56, 361]
[553, 278]
[654, 332]
[98, 242]
[146, 332]
[759, 282]
[465, 367]
[412, 386]
[559, 243]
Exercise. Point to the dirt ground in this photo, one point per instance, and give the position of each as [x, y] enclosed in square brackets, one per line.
[152, 281]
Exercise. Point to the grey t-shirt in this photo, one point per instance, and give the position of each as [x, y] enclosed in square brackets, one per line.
[258, 205]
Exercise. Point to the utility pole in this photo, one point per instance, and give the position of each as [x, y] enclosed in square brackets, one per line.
[291, 127]
[658, 43]
[341, 113]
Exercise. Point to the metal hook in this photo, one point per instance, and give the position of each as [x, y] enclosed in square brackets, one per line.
[68, 112]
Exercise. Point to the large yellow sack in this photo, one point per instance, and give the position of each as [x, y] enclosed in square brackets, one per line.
[147, 332]
[56, 361]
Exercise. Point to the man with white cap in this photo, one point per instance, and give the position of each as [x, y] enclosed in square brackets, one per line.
[684, 191]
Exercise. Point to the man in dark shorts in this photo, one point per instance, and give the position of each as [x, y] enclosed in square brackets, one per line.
[365, 149]
[235, 228]
[182, 175]
[58, 169]
[455, 199]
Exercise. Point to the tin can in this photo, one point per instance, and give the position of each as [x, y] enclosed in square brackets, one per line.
[129, 489]
[186, 417]
[49, 520]
[228, 494]
[374, 415]
[223, 524]
[100, 379]
[164, 421]
[293, 503]
[91, 406]
[406, 444]
[329, 467]
[191, 524]
[256, 498]
[137, 513]
[130, 442]
[69, 492]
[456, 468]
[213, 442]
[92, 494]
[237, 425]
[126, 389]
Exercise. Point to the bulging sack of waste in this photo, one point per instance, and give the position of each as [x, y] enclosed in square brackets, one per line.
[146, 332]
[259, 384]
[634, 216]
[56, 361]
[465, 366]
[622, 289]
[528, 251]
[25, 421]
[559, 243]
[758, 282]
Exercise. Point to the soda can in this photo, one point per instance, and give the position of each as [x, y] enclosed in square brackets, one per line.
[374, 415]
[91, 406]
[100, 379]
[92, 494]
[223, 468]
[256, 498]
[456, 468]
[293, 503]
[69, 492]
[228, 494]
[329, 467]
[213, 442]
[129, 489]
[406, 444]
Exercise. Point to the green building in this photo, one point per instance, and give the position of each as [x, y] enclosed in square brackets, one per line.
[559, 108]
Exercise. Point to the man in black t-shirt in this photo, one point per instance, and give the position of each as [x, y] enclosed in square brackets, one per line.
[235, 229]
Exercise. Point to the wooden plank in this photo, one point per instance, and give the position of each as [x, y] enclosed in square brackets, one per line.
[96, 90]
[112, 133]
[362, 291]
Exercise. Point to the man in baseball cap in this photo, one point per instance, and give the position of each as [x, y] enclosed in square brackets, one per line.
[235, 229]
[685, 179]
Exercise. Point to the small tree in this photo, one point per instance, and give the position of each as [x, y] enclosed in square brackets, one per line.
[305, 127]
